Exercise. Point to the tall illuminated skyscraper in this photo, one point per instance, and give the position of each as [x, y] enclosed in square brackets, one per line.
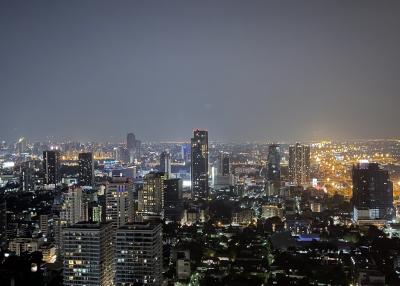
[165, 163]
[372, 192]
[88, 254]
[51, 167]
[299, 164]
[199, 168]
[151, 196]
[119, 201]
[273, 163]
[86, 169]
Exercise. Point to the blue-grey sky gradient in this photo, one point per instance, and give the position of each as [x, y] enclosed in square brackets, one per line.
[244, 70]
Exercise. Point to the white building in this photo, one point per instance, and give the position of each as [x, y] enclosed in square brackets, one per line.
[119, 201]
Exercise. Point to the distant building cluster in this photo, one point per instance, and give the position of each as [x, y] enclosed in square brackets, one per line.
[199, 213]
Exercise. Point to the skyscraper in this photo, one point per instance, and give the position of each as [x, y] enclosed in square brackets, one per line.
[138, 149]
[138, 254]
[86, 169]
[73, 209]
[372, 192]
[165, 163]
[299, 164]
[173, 205]
[51, 167]
[29, 177]
[151, 196]
[21, 145]
[119, 201]
[130, 141]
[131, 146]
[199, 168]
[224, 164]
[88, 254]
[273, 163]
[121, 154]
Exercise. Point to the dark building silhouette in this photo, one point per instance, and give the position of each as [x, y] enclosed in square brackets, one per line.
[51, 167]
[199, 169]
[130, 141]
[173, 199]
[273, 163]
[224, 164]
[3, 219]
[86, 169]
[372, 192]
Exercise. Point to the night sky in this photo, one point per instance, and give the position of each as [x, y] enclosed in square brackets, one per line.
[244, 70]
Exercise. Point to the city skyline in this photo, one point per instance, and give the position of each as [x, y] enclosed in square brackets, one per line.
[199, 143]
[246, 72]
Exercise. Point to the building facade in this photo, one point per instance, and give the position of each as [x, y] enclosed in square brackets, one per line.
[151, 196]
[88, 254]
[138, 254]
[299, 164]
[165, 163]
[86, 169]
[119, 201]
[274, 163]
[372, 192]
[199, 167]
[51, 167]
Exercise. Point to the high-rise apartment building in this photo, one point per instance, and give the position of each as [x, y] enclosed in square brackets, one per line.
[273, 163]
[165, 163]
[173, 205]
[86, 169]
[29, 175]
[299, 164]
[119, 201]
[73, 209]
[45, 223]
[88, 254]
[199, 168]
[51, 167]
[138, 254]
[372, 192]
[151, 196]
